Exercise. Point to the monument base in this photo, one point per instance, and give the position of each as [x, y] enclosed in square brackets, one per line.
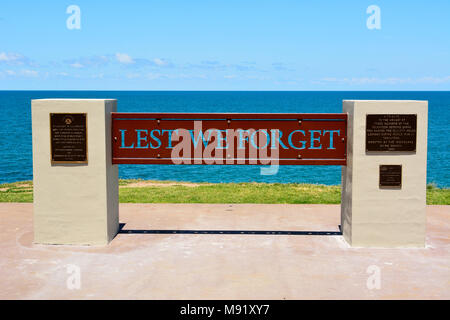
[75, 202]
[373, 215]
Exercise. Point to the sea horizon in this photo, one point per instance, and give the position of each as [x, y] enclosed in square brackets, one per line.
[218, 90]
[15, 105]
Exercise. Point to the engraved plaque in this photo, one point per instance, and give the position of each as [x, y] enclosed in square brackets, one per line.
[391, 132]
[68, 137]
[390, 176]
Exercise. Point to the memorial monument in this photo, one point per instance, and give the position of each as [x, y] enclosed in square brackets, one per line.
[381, 146]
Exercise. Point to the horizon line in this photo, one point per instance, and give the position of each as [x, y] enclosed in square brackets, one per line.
[219, 90]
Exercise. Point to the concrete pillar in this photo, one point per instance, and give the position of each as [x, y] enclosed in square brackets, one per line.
[372, 216]
[75, 203]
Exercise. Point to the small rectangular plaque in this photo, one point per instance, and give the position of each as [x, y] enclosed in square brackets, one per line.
[391, 132]
[68, 137]
[390, 176]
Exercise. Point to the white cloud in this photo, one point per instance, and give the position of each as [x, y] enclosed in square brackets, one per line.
[257, 77]
[77, 65]
[435, 79]
[391, 80]
[15, 59]
[29, 73]
[160, 62]
[153, 76]
[121, 58]
[124, 58]
[98, 76]
[9, 57]
[133, 75]
[91, 61]
[22, 73]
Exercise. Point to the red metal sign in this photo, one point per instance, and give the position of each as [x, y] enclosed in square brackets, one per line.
[213, 138]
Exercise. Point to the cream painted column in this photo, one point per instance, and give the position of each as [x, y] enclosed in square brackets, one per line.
[75, 203]
[383, 217]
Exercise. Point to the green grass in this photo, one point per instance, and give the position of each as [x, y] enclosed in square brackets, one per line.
[233, 193]
[16, 192]
[437, 196]
[174, 192]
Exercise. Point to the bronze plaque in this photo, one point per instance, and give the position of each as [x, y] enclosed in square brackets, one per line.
[68, 137]
[391, 132]
[391, 176]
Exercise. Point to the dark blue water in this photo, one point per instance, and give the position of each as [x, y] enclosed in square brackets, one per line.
[16, 144]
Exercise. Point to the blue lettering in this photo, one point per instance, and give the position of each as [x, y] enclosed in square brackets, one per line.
[273, 146]
[139, 138]
[290, 140]
[169, 144]
[331, 137]
[195, 142]
[152, 135]
[242, 139]
[252, 139]
[220, 139]
[314, 139]
[122, 145]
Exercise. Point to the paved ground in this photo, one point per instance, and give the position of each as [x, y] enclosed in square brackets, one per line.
[212, 265]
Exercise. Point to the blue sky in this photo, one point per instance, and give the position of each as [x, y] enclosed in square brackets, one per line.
[225, 45]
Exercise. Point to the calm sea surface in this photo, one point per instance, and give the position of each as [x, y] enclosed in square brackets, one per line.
[16, 145]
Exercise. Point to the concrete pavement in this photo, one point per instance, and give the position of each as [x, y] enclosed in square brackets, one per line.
[297, 253]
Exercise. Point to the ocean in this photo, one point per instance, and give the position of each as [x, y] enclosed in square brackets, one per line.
[16, 144]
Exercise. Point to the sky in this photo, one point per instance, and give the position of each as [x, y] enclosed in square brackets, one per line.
[224, 45]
